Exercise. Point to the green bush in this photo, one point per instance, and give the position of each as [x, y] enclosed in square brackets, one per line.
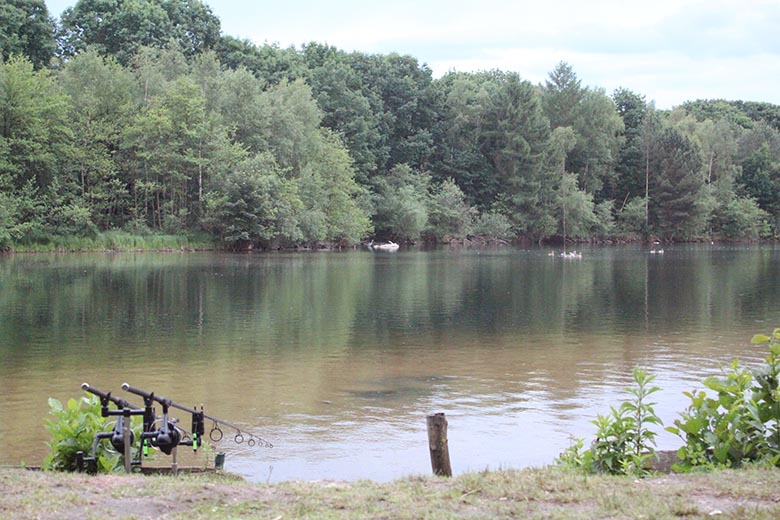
[73, 429]
[493, 225]
[449, 215]
[740, 422]
[624, 443]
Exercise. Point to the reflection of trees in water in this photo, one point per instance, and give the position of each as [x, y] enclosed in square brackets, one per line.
[273, 303]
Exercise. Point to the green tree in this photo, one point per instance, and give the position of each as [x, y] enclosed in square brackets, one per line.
[252, 204]
[114, 28]
[120, 29]
[741, 218]
[35, 146]
[718, 146]
[330, 196]
[650, 136]
[267, 62]
[338, 89]
[34, 136]
[577, 208]
[719, 110]
[466, 98]
[761, 181]
[103, 99]
[157, 68]
[193, 25]
[759, 159]
[514, 137]
[169, 148]
[592, 116]
[401, 209]
[26, 29]
[563, 94]
[291, 124]
[676, 192]
[449, 215]
[629, 178]
[398, 89]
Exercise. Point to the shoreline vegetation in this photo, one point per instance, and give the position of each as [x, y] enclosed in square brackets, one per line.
[551, 492]
[122, 242]
[180, 129]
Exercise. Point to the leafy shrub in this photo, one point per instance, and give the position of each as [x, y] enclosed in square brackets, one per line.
[631, 219]
[742, 218]
[72, 430]
[401, 203]
[624, 443]
[449, 215]
[741, 422]
[493, 225]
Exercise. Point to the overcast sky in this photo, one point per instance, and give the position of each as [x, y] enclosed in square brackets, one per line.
[670, 51]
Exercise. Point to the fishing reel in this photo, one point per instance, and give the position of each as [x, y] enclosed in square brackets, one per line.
[166, 438]
[118, 436]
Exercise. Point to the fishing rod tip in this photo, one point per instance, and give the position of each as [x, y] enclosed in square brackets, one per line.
[85, 386]
[125, 386]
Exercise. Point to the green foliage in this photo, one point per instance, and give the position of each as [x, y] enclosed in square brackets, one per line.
[493, 225]
[628, 179]
[624, 442]
[676, 190]
[740, 422]
[631, 219]
[26, 29]
[742, 218]
[401, 203]
[151, 109]
[120, 29]
[103, 97]
[515, 139]
[73, 429]
[577, 206]
[594, 121]
[449, 216]
[253, 204]
[604, 224]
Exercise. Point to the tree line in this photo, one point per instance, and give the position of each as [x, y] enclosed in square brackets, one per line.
[142, 116]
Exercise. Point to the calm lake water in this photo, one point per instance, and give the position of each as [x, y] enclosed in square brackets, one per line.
[337, 358]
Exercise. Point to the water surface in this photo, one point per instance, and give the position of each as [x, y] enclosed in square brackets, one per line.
[337, 358]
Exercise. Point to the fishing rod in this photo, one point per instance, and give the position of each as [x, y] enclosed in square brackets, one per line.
[198, 419]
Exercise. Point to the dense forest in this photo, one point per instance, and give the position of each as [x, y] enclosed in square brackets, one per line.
[141, 116]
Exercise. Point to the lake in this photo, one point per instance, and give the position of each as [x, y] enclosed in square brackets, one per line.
[337, 358]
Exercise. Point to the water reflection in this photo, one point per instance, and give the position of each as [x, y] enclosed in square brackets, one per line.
[337, 357]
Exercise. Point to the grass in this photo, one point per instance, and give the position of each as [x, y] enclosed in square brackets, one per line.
[549, 493]
[119, 241]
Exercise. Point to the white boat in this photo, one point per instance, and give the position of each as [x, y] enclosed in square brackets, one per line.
[387, 246]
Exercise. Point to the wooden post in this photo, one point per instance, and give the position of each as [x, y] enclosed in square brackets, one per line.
[437, 442]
